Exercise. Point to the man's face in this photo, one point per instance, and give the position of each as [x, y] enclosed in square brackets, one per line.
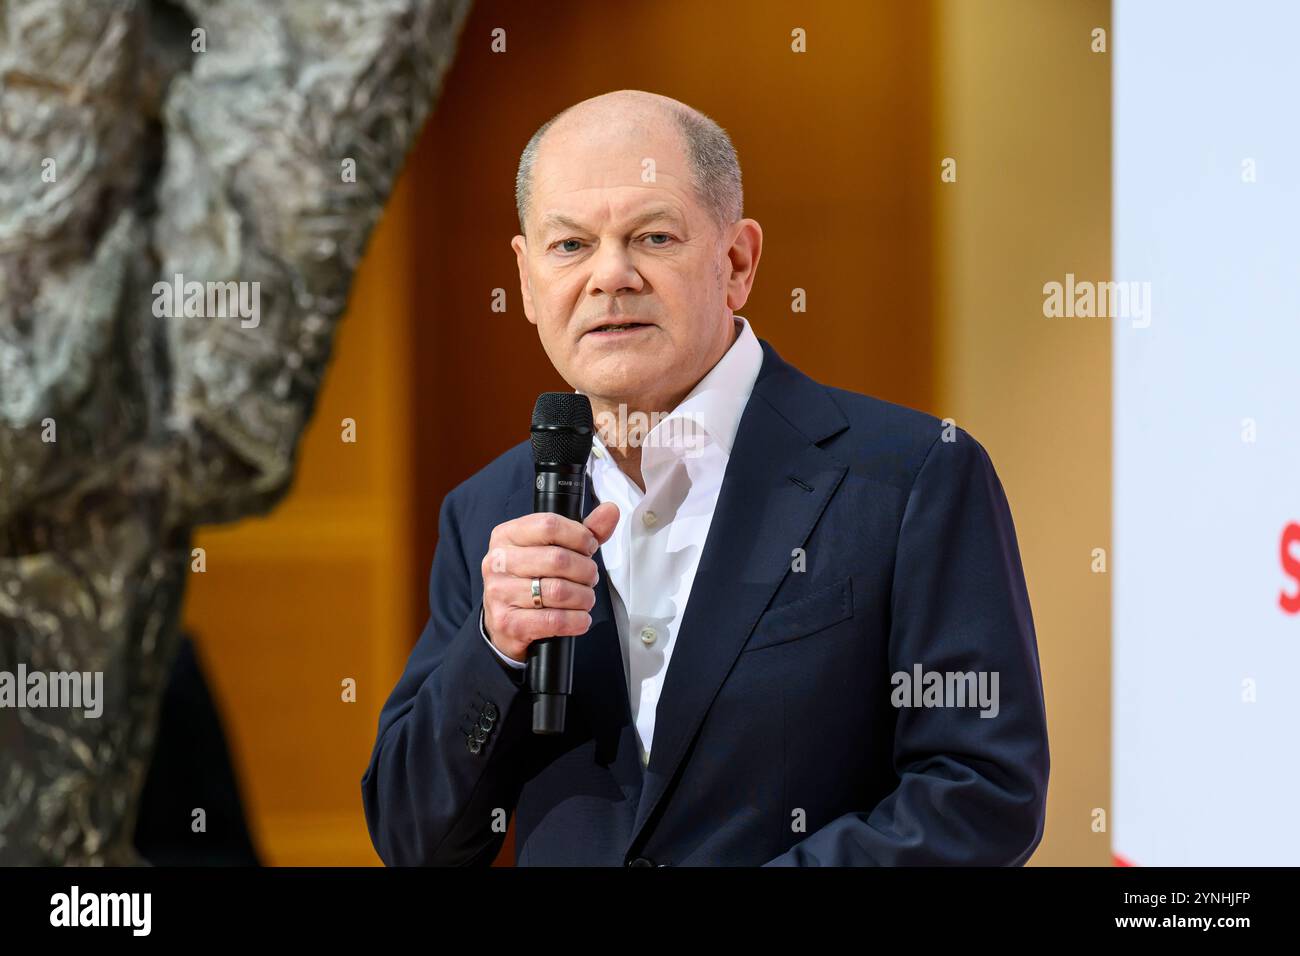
[605, 247]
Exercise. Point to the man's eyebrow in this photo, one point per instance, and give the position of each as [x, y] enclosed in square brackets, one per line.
[556, 219]
[653, 213]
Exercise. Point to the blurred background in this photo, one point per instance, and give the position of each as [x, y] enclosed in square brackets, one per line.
[922, 289]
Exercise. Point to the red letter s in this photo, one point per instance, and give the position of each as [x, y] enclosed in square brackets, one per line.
[1291, 566]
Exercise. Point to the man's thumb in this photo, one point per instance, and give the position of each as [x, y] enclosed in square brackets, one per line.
[602, 520]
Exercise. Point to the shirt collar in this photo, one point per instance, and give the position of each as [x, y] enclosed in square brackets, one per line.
[718, 399]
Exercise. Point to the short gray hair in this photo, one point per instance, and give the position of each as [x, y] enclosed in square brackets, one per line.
[708, 148]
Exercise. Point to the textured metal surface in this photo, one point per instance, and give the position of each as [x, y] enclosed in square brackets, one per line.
[223, 166]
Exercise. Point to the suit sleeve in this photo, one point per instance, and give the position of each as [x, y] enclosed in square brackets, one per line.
[972, 789]
[442, 778]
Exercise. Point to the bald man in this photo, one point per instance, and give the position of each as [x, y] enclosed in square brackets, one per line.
[803, 633]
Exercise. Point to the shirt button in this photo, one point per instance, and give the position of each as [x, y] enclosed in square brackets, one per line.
[648, 635]
[649, 519]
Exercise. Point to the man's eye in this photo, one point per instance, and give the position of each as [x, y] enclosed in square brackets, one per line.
[561, 243]
[661, 235]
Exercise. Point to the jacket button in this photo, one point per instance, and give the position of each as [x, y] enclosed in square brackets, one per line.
[641, 861]
[491, 711]
[474, 745]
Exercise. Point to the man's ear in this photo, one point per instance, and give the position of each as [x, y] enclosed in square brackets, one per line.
[743, 254]
[520, 245]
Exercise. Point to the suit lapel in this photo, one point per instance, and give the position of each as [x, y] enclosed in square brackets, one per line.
[762, 514]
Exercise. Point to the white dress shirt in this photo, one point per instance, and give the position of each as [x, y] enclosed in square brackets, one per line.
[654, 552]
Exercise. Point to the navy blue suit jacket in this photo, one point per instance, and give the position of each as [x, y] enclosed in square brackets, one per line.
[853, 539]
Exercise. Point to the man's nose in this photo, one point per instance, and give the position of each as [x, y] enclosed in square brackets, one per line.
[612, 270]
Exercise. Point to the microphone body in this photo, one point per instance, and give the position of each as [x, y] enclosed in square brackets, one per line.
[562, 431]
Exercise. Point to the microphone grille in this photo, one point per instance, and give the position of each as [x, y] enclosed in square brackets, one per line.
[562, 428]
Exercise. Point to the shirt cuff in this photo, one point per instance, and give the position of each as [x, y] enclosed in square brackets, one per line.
[506, 660]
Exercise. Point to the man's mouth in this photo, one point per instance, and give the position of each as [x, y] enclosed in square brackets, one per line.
[620, 327]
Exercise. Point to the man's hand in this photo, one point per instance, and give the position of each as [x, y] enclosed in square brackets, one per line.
[556, 549]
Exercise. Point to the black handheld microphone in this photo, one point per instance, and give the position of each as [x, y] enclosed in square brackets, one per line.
[561, 434]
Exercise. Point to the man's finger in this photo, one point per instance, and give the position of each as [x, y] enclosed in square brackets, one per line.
[556, 593]
[545, 561]
[531, 625]
[603, 520]
[546, 528]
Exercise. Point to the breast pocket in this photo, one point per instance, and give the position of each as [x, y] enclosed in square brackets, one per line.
[803, 617]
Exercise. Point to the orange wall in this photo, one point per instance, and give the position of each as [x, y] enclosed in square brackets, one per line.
[1023, 104]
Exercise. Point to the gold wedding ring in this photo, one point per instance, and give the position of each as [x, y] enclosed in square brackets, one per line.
[537, 593]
